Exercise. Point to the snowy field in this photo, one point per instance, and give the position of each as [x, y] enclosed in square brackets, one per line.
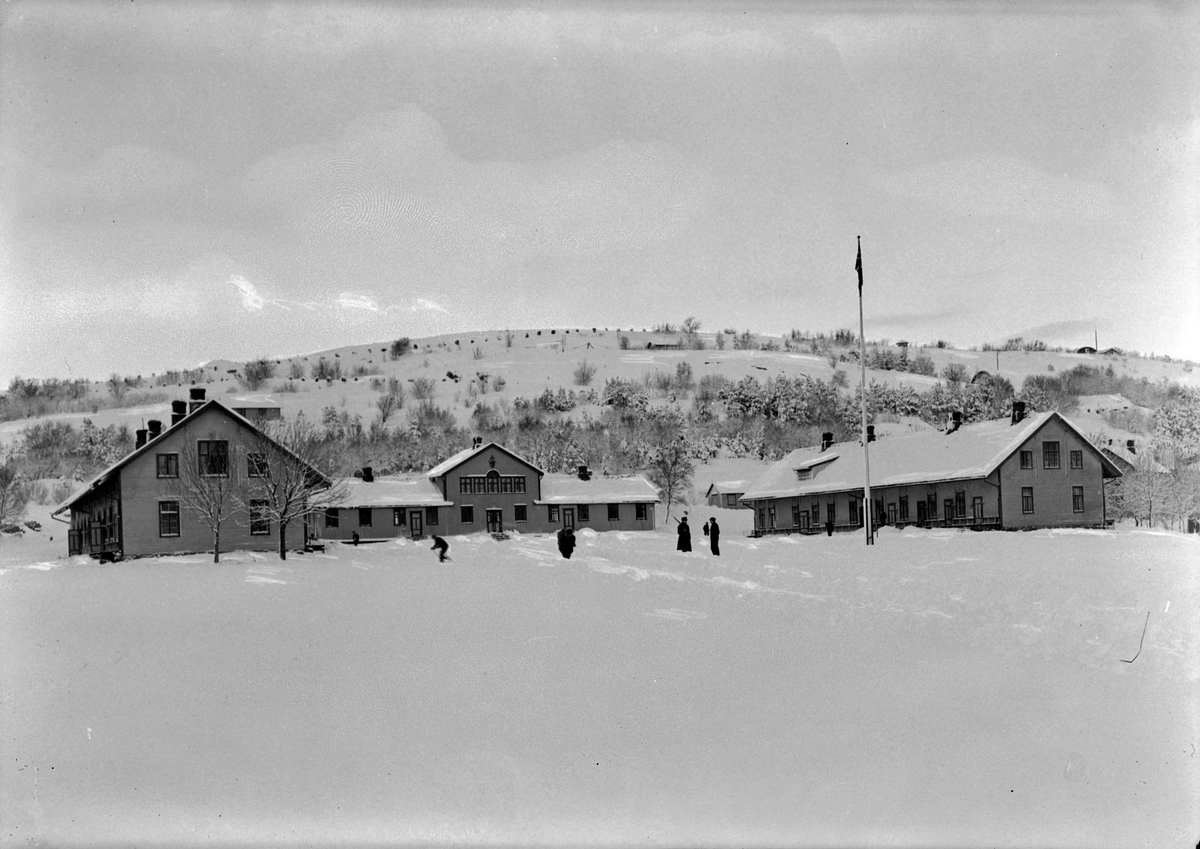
[940, 689]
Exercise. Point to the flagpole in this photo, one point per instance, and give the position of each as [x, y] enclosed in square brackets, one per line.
[862, 362]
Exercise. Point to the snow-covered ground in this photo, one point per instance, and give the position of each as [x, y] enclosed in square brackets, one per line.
[940, 688]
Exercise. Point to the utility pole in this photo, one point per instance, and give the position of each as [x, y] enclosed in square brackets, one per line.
[862, 362]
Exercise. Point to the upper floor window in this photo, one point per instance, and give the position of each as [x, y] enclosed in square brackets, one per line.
[256, 465]
[214, 457]
[1026, 459]
[168, 465]
[803, 474]
[1050, 455]
[1076, 459]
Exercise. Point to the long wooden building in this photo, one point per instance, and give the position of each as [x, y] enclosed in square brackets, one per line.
[487, 488]
[1023, 472]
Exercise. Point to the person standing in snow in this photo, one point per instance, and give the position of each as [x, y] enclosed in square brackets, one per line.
[714, 536]
[706, 528]
[566, 542]
[685, 536]
[441, 547]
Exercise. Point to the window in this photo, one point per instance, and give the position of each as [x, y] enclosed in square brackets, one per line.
[1026, 499]
[771, 514]
[364, 517]
[553, 513]
[331, 517]
[256, 465]
[960, 503]
[891, 512]
[639, 512]
[903, 508]
[397, 516]
[520, 513]
[584, 512]
[464, 485]
[168, 518]
[815, 513]
[1077, 499]
[853, 511]
[730, 499]
[614, 512]
[831, 511]
[466, 514]
[1050, 455]
[431, 515]
[493, 481]
[518, 483]
[931, 504]
[168, 465]
[1026, 459]
[803, 474]
[796, 512]
[260, 521]
[1076, 459]
[214, 457]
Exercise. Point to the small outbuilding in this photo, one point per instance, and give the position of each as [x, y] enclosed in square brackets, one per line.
[727, 494]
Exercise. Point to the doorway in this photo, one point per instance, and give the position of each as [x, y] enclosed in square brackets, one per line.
[495, 524]
[568, 517]
[416, 524]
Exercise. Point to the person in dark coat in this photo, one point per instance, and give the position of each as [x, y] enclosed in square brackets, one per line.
[706, 528]
[566, 541]
[442, 548]
[714, 536]
[685, 536]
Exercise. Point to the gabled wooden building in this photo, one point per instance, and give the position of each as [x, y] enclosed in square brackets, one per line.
[487, 488]
[133, 508]
[1027, 472]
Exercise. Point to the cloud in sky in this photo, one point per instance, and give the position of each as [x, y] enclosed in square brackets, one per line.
[251, 166]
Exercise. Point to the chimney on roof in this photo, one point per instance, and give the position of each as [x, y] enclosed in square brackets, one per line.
[368, 474]
[584, 473]
[826, 440]
[1130, 446]
[1018, 411]
[141, 437]
[476, 442]
[155, 427]
[179, 409]
[955, 421]
[870, 433]
[196, 393]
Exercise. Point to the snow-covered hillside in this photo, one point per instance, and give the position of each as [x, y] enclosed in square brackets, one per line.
[940, 688]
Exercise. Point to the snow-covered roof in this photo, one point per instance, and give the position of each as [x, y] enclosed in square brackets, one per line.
[393, 492]
[155, 443]
[971, 451]
[569, 489]
[727, 486]
[1128, 460]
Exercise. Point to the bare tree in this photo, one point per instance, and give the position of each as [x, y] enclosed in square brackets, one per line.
[204, 485]
[286, 480]
[117, 387]
[671, 470]
[387, 405]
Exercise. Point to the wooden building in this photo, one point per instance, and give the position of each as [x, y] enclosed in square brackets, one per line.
[487, 488]
[134, 508]
[727, 494]
[1027, 472]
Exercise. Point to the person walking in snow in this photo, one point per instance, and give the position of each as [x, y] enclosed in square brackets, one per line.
[566, 542]
[685, 536]
[706, 528]
[714, 536]
[442, 548]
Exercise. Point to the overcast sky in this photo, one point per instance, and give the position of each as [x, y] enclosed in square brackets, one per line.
[195, 180]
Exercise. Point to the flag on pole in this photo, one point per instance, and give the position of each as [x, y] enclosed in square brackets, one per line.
[858, 265]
